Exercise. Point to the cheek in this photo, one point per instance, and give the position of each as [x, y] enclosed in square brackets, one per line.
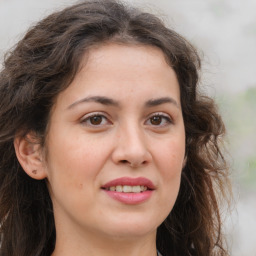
[171, 157]
[75, 161]
[73, 166]
[171, 175]
[170, 164]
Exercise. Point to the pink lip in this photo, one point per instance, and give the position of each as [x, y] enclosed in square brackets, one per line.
[130, 198]
[140, 181]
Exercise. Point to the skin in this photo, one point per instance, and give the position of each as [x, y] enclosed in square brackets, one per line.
[124, 140]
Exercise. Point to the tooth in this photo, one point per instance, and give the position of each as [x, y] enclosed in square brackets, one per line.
[119, 188]
[136, 189]
[127, 189]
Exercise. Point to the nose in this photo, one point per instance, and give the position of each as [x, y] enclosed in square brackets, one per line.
[131, 148]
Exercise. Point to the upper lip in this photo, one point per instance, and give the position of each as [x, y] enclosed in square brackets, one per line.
[140, 181]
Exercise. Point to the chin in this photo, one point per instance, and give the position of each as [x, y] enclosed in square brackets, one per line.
[131, 234]
[132, 227]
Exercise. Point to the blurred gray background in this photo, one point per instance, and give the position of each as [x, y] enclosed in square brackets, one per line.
[224, 31]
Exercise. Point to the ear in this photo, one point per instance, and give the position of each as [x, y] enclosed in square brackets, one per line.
[29, 154]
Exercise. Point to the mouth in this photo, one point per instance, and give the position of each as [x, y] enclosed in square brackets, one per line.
[129, 185]
[130, 190]
[127, 188]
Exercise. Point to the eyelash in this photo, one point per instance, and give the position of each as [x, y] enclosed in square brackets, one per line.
[167, 118]
[87, 120]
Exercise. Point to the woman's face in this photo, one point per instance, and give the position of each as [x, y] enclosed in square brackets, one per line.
[116, 144]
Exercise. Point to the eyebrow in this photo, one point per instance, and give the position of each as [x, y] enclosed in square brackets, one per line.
[110, 102]
[99, 99]
[159, 101]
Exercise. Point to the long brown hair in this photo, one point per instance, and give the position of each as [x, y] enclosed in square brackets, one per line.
[42, 65]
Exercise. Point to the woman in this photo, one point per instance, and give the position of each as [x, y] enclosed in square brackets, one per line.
[106, 145]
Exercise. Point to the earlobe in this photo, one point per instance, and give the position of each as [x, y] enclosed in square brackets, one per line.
[29, 155]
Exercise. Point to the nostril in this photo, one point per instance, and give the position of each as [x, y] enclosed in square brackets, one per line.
[132, 164]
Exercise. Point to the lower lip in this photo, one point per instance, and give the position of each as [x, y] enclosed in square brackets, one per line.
[130, 198]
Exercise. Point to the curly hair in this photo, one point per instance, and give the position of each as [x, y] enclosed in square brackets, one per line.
[42, 65]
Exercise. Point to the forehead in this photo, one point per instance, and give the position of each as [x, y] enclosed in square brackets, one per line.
[123, 70]
[125, 55]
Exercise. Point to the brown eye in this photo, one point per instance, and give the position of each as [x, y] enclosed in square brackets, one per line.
[159, 120]
[96, 120]
[156, 120]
